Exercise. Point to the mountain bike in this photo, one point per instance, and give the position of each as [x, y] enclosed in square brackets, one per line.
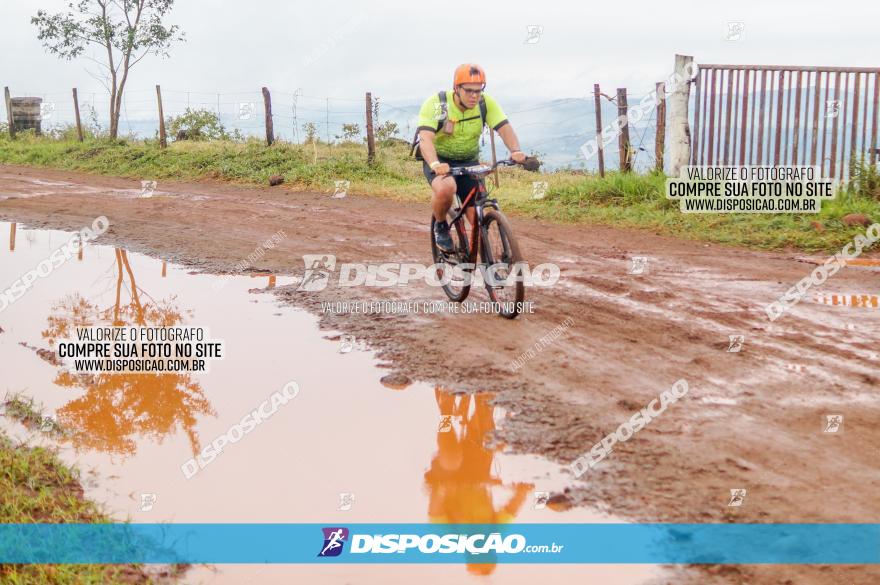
[500, 264]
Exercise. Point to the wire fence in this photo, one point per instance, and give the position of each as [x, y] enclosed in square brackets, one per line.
[555, 130]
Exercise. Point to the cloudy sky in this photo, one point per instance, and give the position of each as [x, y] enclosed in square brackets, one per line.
[402, 50]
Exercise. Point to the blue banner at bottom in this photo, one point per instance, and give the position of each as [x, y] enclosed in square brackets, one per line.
[442, 543]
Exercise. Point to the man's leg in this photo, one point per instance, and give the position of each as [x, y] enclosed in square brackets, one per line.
[441, 200]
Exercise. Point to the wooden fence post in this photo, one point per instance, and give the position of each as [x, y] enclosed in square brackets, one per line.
[623, 145]
[327, 122]
[599, 138]
[660, 138]
[371, 140]
[679, 129]
[875, 151]
[79, 128]
[270, 131]
[163, 140]
[9, 118]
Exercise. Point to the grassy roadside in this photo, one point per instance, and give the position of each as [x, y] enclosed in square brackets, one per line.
[36, 487]
[633, 201]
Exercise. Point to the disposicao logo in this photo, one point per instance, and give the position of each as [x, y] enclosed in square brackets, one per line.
[334, 541]
[471, 544]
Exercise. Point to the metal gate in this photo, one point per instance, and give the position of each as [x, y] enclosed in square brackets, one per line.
[786, 115]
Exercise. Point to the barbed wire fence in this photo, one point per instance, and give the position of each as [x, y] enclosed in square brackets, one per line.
[555, 130]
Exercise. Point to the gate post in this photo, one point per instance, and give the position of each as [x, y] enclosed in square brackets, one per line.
[679, 130]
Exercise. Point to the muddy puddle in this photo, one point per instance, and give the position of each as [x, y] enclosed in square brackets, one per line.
[346, 449]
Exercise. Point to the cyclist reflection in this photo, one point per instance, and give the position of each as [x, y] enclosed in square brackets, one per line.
[460, 480]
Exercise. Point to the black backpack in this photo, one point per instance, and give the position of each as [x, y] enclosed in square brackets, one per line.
[444, 114]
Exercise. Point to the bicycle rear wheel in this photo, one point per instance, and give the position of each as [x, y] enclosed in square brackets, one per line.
[454, 269]
[503, 278]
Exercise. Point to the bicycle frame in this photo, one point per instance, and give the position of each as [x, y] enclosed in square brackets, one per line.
[481, 195]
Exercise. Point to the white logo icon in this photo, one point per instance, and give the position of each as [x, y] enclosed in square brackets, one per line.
[346, 501]
[736, 343]
[350, 342]
[47, 109]
[639, 265]
[48, 424]
[246, 110]
[533, 34]
[220, 282]
[539, 189]
[832, 108]
[318, 269]
[737, 497]
[734, 31]
[833, 423]
[147, 188]
[446, 422]
[341, 189]
[541, 499]
[147, 502]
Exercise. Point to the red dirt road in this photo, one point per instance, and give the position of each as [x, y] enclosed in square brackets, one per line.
[752, 419]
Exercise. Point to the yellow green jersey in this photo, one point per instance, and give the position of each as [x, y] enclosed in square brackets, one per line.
[464, 142]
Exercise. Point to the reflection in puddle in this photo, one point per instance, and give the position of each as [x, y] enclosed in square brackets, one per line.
[461, 480]
[115, 409]
[388, 453]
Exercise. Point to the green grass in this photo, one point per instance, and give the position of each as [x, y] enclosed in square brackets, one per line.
[36, 487]
[637, 201]
[23, 409]
[626, 200]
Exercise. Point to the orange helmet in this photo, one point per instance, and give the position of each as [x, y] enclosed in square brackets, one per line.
[469, 73]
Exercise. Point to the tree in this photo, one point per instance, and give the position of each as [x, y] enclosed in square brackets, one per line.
[125, 31]
[387, 130]
[349, 132]
[311, 132]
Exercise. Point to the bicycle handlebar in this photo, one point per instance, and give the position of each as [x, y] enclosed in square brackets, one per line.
[481, 169]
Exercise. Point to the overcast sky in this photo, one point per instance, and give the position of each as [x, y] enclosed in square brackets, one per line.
[402, 50]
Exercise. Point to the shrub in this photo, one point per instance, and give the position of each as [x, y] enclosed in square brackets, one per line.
[387, 131]
[865, 180]
[199, 125]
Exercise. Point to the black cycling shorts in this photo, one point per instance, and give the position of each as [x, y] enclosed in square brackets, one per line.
[464, 183]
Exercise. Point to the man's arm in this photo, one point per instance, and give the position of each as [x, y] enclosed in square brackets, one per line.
[511, 142]
[497, 120]
[429, 152]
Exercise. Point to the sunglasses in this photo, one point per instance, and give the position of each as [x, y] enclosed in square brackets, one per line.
[474, 92]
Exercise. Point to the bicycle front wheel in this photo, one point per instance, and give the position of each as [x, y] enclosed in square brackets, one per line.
[504, 270]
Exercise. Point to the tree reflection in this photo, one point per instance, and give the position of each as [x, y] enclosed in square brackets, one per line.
[118, 408]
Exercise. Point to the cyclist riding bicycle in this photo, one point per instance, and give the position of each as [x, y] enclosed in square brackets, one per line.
[450, 125]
